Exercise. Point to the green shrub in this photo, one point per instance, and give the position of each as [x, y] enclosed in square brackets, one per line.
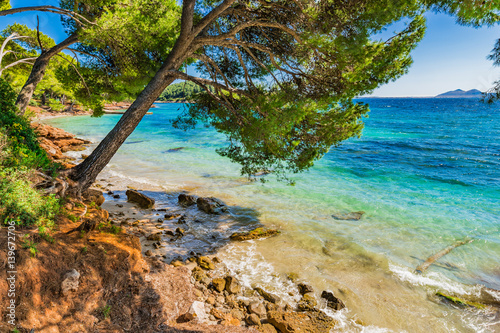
[23, 147]
[20, 156]
[55, 105]
[19, 199]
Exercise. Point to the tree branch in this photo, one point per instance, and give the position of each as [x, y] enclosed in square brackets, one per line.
[201, 81]
[51, 9]
[76, 70]
[215, 13]
[38, 34]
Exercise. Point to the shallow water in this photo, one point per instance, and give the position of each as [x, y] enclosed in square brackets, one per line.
[426, 172]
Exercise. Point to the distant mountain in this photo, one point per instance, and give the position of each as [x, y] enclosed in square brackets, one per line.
[459, 93]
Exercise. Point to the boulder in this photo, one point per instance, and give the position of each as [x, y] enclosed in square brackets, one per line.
[349, 216]
[70, 282]
[332, 301]
[197, 312]
[305, 288]
[205, 263]
[94, 196]
[253, 319]
[232, 285]
[267, 328]
[268, 296]
[142, 200]
[307, 303]
[257, 308]
[219, 284]
[187, 200]
[256, 233]
[294, 322]
[154, 237]
[211, 205]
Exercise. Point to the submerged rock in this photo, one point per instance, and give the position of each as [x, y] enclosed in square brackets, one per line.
[186, 200]
[293, 322]
[141, 199]
[254, 234]
[211, 205]
[332, 301]
[349, 216]
[305, 288]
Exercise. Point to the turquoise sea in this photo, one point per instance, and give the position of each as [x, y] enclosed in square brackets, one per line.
[426, 172]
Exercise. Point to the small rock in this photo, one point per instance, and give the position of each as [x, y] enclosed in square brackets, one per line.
[268, 296]
[70, 282]
[197, 312]
[307, 303]
[267, 328]
[154, 237]
[119, 205]
[292, 276]
[254, 234]
[237, 314]
[211, 205]
[116, 196]
[148, 253]
[206, 263]
[198, 274]
[332, 301]
[160, 220]
[289, 322]
[253, 319]
[230, 321]
[305, 288]
[187, 200]
[180, 231]
[257, 308]
[177, 263]
[198, 293]
[232, 285]
[219, 284]
[170, 216]
[217, 313]
[142, 200]
[210, 300]
[169, 233]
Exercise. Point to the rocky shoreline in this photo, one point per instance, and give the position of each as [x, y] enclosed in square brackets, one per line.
[220, 300]
[157, 227]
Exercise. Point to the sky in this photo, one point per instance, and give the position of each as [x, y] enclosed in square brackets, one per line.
[449, 57]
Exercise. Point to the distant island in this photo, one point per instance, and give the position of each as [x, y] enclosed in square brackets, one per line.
[459, 93]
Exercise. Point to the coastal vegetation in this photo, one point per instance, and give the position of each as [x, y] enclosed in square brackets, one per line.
[180, 92]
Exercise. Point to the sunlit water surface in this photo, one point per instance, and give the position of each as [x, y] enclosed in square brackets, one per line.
[426, 172]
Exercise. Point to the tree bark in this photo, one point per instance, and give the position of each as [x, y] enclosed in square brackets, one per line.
[38, 71]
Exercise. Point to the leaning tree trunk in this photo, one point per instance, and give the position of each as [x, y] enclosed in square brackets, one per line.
[86, 172]
[38, 71]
